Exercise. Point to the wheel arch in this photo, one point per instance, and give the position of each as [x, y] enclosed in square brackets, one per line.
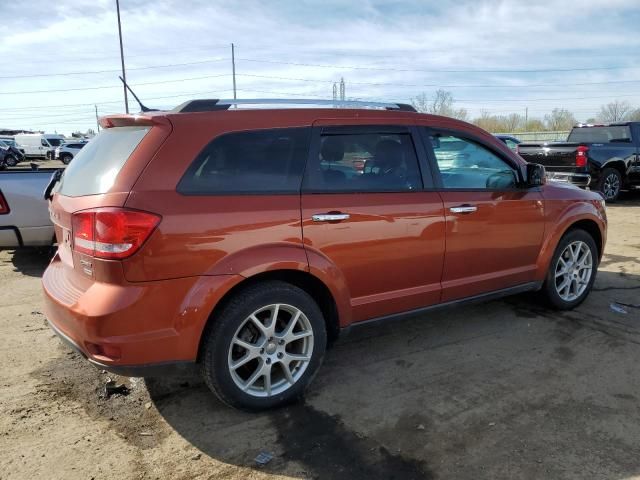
[579, 216]
[591, 227]
[304, 280]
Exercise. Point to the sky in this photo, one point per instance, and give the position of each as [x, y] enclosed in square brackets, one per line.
[61, 60]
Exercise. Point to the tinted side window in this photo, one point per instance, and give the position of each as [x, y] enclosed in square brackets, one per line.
[464, 164]
[374, 162]
[268, 161]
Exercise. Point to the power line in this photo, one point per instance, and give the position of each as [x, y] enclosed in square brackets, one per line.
[114, 86]
[434, 70]
[92, 72]
[115, 101]
[439, 85]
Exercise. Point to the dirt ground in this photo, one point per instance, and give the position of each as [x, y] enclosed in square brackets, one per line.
[504, 390]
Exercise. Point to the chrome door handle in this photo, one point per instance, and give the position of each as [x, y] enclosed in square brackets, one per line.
[330, 217]
[464, 209]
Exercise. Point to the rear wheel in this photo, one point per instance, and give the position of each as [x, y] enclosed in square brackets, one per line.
[610, 184]
[11, 161]
[572, 270]
[264, 347]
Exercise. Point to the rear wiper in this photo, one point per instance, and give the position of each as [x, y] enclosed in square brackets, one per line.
[55, 178]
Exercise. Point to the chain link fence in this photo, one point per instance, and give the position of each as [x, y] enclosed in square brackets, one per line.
[560, 135]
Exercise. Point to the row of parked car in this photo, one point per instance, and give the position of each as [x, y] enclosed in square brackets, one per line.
[19, 148]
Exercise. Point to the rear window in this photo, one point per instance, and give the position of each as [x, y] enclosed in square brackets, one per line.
[55, 142]
[620, 133]
[259, 161]
[95, 168]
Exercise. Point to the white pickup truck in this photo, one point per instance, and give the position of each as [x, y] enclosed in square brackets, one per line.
[24, 212]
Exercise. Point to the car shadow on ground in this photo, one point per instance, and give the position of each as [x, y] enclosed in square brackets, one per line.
[31, 261]
[490, 390]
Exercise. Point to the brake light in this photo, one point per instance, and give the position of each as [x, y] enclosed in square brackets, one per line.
[581, 156]
[4, 206]
[111, 233]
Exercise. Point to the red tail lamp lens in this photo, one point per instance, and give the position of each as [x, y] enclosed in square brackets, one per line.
[581, 156]
[112, 233]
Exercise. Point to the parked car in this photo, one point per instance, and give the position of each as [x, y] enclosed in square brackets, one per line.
[224, 239]
[509, 140]
[9, 155]
[67, 151]
[602, 157]
[39, 144]
[24, 213]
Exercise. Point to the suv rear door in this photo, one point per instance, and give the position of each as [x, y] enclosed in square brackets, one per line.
[365, 209]
[494, 227]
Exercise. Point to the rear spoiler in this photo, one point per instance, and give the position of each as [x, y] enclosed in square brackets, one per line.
[121, 120]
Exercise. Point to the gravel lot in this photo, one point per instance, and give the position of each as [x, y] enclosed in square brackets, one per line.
[507, 389]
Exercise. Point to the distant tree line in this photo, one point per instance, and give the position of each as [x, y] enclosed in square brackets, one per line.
[442, 103]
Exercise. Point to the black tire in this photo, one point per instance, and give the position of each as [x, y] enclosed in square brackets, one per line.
[220, 333]
[610, 184]
[11, 161]
[66, 158]
[549, 289]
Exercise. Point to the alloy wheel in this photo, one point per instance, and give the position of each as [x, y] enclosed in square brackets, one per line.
[271, 350]
[611, 186]
[573, 271]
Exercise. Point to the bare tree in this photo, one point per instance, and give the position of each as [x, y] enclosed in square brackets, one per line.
[615, 111]
[559, 119]
[634, 116]
[441, 104]
[512, 122]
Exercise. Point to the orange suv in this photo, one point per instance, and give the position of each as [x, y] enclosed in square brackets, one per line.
[244, 239]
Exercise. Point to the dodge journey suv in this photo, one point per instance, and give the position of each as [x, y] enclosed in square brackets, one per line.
[244, 240]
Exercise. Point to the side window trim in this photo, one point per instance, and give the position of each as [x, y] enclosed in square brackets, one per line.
[314, 153]
[426, 132]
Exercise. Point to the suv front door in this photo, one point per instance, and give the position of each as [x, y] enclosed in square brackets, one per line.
[494, 226]
[366, 212]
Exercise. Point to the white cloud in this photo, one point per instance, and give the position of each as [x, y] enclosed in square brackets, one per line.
[75, 35]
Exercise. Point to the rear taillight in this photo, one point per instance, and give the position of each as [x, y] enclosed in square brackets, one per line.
[111, 233]
[581, 156]
[4, 206]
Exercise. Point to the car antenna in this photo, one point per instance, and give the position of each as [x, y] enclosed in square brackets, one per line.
[142, 107]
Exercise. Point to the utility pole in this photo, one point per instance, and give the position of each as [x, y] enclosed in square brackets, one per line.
[233, 68]
[526, 117]
[124, 75]
[97, 120]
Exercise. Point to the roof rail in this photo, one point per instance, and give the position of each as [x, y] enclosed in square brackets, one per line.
[208, 105]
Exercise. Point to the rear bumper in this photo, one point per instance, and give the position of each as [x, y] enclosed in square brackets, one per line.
[14, 237]
[149, 370]
[578, 179]
[133, 329]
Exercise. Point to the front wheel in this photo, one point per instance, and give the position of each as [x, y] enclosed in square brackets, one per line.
[66, 159]
[610, 184]
[572, 270]
[264, 347]
[11, 161]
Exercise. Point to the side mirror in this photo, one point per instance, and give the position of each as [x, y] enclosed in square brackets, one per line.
[536, 175]
[435, 141]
